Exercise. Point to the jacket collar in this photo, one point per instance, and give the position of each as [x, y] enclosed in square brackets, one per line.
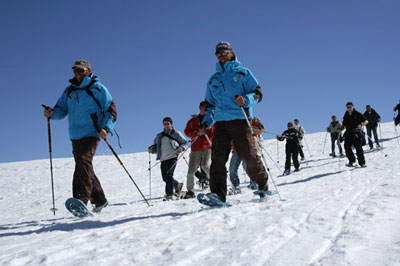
[229, 65]
[86, 81]
[170, 132]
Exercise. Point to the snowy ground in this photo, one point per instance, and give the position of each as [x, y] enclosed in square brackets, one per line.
[330, 215]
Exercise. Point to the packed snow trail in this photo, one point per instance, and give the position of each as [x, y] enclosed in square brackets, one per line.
[330, 215]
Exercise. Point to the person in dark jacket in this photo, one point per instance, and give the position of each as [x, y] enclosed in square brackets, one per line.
[397, 118]
[292, 147]
[84, 97]
[353, 121]
[373, 118]
[230, 89]
[167, 145]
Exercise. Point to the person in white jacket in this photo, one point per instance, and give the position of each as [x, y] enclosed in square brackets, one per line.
[302, 132]
[334, 129]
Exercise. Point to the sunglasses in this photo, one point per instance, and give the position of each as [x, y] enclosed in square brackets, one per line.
[222, 53]
[79, 70]
[349, 107]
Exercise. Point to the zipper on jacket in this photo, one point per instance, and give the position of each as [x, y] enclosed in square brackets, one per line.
[223, 86]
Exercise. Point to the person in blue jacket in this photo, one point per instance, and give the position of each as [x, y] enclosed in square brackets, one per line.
[84, 98]
[230, 89]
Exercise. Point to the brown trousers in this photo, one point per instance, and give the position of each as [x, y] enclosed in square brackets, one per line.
[238, 132]
[85, 185]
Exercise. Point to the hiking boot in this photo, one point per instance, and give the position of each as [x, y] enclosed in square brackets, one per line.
[297, 169]
[286, 172]
[263, 188]
[332, 154]
[178, 188]
[189, 195]
[252, 186]
[349, 164]
[98, 207]
[302, 158]
[363, 165]
[236, 190]
[167, 197]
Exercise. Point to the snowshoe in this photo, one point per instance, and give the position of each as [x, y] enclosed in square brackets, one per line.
[211, 200]
[77, 208]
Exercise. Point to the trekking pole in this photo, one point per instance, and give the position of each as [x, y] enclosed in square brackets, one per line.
[378, 148]
[94, 118]
[395, 128]
[270, 133]
[51, 161]
[270, 157]
[323, 149]
[277, 151]
[308, 148]
[255, 138]
[155, 164]
[267, 168]
[380, 135]
[208, 140]
[183, 153]
[149, 176]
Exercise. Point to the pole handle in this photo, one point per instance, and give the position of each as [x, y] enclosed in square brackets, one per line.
[46, 107]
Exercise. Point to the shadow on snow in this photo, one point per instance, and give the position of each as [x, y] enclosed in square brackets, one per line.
[86, 224]
[311, 178]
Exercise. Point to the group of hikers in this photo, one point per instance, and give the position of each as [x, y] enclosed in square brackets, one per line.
[225, 124]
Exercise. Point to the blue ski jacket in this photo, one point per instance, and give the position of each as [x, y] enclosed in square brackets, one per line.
[78, 104]
[229, 81]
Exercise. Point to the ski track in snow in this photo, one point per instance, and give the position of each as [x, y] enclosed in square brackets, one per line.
[330, 215]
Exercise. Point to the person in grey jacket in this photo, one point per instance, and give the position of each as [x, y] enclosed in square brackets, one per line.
[334, 129]
[167, 145]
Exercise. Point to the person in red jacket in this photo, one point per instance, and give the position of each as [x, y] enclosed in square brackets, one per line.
[200, 154]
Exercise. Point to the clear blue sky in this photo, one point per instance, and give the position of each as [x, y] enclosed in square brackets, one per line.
[155, 57]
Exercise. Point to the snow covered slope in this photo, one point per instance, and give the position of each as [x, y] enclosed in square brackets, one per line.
[329, 215]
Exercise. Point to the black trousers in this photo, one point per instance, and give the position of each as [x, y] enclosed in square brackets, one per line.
[85, 185]
[300, 152]
[167, 172]
[351, 139]
[238, 132]
[292, 152]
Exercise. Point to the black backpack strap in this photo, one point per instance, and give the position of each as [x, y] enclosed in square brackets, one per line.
[88, 91]
[170, 137]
